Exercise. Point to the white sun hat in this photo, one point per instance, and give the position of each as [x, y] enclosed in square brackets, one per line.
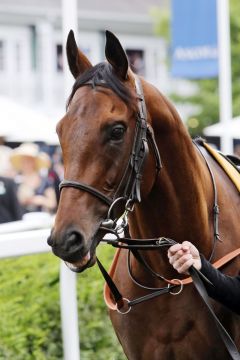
[42, 160]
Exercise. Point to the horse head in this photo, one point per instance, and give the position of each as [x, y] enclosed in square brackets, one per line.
[96, 136]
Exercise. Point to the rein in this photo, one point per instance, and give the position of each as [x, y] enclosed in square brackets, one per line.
[130, 182]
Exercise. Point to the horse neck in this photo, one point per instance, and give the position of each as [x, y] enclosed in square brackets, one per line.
[176, 207]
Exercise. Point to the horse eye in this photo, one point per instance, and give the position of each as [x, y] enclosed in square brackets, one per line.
[117, 132]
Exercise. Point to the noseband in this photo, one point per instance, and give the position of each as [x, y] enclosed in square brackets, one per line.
[132, 176]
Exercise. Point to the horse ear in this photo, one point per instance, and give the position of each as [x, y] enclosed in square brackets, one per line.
[115, 55]
[77, 61]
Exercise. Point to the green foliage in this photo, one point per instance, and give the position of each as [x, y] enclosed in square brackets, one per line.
[30, 327]
[235, 50]
[160, 18]
[206, 99]
[98, 340]
[29, 308]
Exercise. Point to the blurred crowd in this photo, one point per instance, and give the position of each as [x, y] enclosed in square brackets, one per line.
[29, 180]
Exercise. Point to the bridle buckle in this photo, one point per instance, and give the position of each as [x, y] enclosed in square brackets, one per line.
[129, 205]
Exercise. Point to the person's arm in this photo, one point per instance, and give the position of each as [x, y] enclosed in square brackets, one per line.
[14, 206]
[225, 289]
[47, 200]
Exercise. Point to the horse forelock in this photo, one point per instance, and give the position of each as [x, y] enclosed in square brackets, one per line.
[104, 73]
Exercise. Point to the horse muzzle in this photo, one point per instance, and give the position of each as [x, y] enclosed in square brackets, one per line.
[85, 262]
[72, 248]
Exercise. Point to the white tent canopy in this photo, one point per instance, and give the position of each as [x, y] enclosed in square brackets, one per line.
[19, 123]
[219, 129]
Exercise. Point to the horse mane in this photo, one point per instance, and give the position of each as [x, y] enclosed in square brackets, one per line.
[104, 73]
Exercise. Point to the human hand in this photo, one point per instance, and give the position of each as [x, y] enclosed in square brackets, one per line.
[182, 256]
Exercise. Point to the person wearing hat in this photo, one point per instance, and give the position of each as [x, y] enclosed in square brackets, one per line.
[35, 192]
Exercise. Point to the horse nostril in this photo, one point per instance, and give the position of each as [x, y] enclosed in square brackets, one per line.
[67, 245]
[74, 241]
[50, 241]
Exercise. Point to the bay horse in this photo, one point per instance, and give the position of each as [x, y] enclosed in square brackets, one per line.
[97, 136]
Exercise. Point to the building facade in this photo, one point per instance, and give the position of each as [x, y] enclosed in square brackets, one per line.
[31, 44]
[31, 50]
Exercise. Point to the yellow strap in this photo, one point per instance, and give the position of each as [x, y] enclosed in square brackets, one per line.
[232, 173]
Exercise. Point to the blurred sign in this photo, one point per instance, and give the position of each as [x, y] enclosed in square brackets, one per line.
[194, 39]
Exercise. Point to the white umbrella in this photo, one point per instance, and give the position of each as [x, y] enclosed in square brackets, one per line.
[19, 123]
[233, 129]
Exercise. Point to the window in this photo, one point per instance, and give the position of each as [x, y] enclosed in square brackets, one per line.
[33, 47]
[59, 57]
[136, 61]
[2, 59]
[18, 57]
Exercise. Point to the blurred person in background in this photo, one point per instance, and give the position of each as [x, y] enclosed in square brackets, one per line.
[35, 189]
[56, 171]
[237, 150]
[10, 209]
[6, 168]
